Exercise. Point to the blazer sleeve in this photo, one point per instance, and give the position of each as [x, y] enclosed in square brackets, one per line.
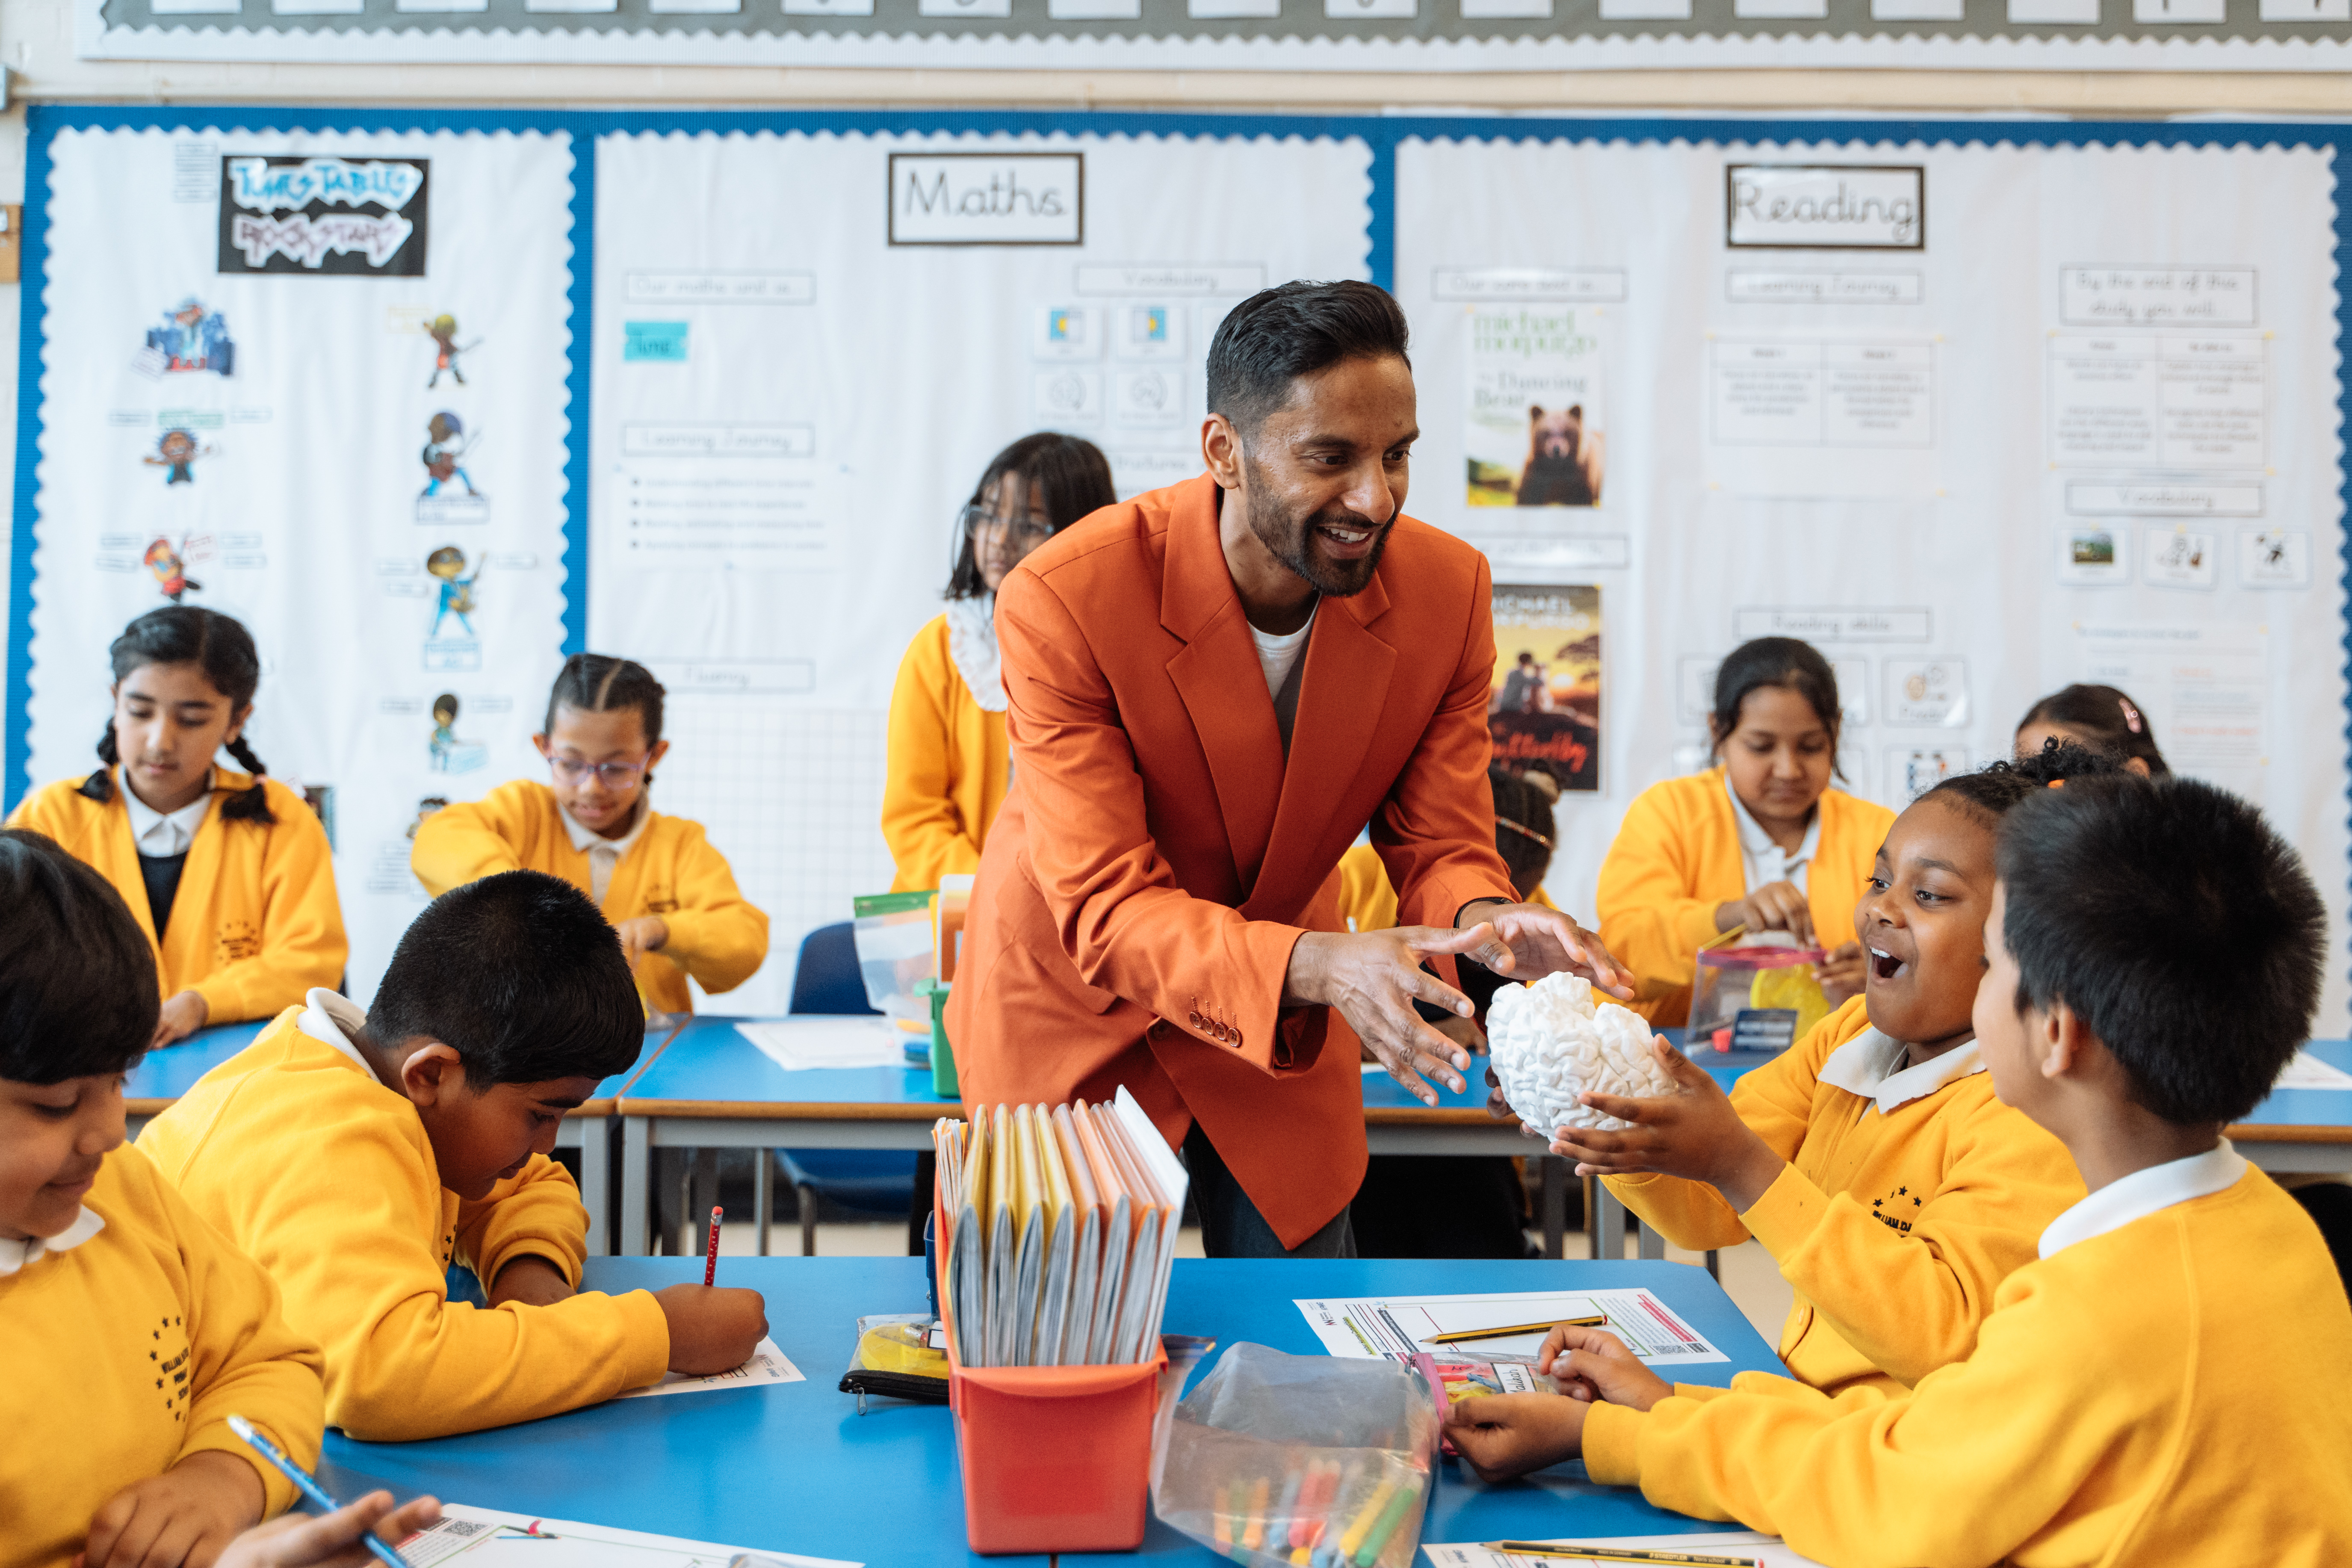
[535, 1212]
[1651, 917]
[301, 922]
[716, 934]
[1123, 922]
[926, 835]
[464, 843]
[1435, 832]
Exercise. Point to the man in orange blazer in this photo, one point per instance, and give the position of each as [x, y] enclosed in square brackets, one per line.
[1211, 690]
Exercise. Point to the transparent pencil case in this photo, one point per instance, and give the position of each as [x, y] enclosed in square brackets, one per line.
[1280, 1459]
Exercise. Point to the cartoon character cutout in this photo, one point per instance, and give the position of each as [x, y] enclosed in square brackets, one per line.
[446, 443]
[176, 452]
[456, 599]
[193, 337]
[442, 330]
[169, 563]
[425, 806]
[444, 742]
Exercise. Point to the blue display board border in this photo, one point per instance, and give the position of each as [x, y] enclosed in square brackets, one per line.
[1381, 134]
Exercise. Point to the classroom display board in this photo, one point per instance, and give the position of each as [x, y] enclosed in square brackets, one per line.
[1976, 420]
[430, 400]
[315, 381]
[806, 349]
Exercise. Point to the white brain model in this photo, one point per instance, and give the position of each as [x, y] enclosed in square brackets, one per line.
[1550, 1044]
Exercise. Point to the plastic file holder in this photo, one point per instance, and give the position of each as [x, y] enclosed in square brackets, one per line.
[1054, 1458]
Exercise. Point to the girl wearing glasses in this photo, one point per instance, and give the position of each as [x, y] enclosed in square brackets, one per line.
[949, 763]
[658, 879]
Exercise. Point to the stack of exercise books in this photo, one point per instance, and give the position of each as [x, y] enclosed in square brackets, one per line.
[1061, 1227]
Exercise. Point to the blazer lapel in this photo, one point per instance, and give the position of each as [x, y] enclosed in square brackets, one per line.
[1218, 679]
[1340, 705]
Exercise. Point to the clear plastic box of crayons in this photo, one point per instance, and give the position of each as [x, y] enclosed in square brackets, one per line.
[1284, 1461]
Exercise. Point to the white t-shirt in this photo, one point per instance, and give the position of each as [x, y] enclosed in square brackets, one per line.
[1277, 655]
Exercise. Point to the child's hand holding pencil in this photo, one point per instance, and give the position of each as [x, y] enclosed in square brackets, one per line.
[1589, 1364]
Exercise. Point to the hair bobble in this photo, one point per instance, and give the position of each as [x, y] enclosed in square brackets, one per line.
[2131, 714]
[2057, 783]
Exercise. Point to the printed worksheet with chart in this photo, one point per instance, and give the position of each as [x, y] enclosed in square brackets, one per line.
[484, 1538]
[1398, 1327]
[1722, 1549]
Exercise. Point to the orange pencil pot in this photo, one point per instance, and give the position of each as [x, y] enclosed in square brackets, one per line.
[1054, 1458]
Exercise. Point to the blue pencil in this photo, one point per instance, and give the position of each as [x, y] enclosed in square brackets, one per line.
[310, 1489]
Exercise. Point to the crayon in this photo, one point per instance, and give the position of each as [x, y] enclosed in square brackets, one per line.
[1254, 1536]
[1399, 1504]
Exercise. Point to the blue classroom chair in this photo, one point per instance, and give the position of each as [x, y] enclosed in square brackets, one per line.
[878, 1181]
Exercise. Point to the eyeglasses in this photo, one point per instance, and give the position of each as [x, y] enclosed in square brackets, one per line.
[1026, 532]
[616, 775]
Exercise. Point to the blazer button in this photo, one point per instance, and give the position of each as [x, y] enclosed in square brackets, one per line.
[1195, 1020]
[1237, 1039]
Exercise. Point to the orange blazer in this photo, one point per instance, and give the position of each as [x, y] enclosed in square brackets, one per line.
[1138, 931]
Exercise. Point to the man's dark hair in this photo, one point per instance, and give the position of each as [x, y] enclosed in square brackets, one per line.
[2176, 925]
[521, 976]
[78, 991]
[1271, 338]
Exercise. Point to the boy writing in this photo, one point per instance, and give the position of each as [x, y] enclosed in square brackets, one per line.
[2153, 959]
[359, 1155]
[133, 1329]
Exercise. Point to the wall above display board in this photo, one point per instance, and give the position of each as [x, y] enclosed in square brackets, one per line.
[1980, 409]
[1245, 35]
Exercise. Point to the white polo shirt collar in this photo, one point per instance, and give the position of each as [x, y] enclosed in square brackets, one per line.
[157, 834]
[1761, 855]
[332, 1018]
[2144, 1193]
[16, 1255]
[1871, 1065]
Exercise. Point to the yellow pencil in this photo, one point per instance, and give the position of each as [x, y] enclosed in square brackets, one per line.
[1598, 1321]
[1619, 1554]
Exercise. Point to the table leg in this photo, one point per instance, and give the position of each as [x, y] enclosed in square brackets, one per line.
[1608, 1222]
[1555, 1206]
[596, 1185]
[763, 1193]
[1650, 1244]
[637, 1180]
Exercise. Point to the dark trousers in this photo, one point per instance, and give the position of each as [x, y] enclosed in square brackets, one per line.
[1231, 1226]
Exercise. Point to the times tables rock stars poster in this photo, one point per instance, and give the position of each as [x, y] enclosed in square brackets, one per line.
[316, 381]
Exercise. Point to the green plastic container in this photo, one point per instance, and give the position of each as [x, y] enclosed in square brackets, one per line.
[944, 1069]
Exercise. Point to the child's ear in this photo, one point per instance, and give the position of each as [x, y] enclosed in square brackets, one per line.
[654, 757]
[237, 722]
[432, 1074]
[540, 742]
[2059, 1039]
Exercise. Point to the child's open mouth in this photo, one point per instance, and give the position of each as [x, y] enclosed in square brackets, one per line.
[1884, 965]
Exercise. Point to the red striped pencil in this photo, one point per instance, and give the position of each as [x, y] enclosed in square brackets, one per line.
[710, 1259]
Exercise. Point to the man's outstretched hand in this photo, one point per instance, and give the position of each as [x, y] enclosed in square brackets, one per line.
[1527, 941]
[1373, 978]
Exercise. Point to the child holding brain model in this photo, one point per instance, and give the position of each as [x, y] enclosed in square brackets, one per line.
[1871, 1159]
[1759, 844]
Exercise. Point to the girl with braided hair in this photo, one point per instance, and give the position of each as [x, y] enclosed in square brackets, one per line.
[228, 872]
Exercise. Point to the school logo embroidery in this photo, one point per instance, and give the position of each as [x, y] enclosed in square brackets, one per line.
[239, 939]
[661, 904]
[1896, 1212]
[168, 1361]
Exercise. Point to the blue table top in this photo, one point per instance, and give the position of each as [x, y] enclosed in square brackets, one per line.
[794, 1467]
[709, 1059]
[167, 1073]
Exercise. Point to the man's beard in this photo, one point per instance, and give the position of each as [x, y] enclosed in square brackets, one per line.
[1291, 541]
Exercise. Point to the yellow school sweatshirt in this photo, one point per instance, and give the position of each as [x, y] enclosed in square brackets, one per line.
[1676, 858]
[294, 1150]
[714, 933]
[254, 924]
[949, 766]
[131, 1339]
[1895, 1222]
[2164, 1394]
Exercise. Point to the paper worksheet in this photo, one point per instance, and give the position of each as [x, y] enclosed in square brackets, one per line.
[485, 1538]
[793, 1044]
[1396, 1327]
[768, 1364]
[1739, 1546]
[2307, 1071]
